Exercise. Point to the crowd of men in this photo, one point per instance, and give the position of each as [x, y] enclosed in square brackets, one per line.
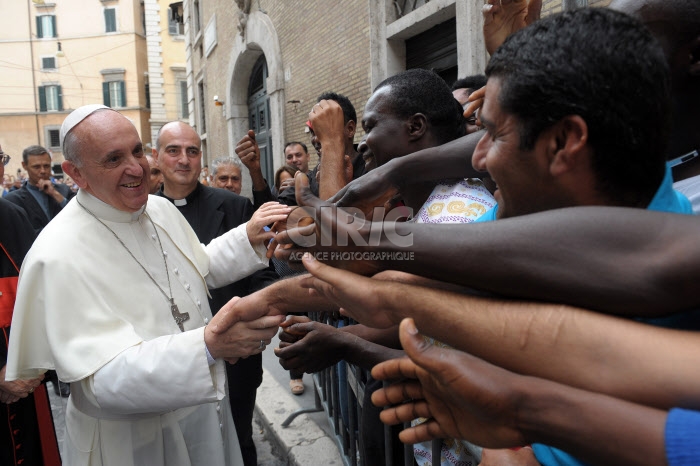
[547, 311]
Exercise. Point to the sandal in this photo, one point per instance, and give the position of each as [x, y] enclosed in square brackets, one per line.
[297, 386]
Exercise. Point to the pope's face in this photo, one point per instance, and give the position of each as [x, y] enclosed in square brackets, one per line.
[112, 167]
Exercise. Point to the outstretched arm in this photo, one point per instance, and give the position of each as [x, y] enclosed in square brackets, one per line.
[467, 398]
[580, 348]
[619, 260]
[311, 346]
[375, 188]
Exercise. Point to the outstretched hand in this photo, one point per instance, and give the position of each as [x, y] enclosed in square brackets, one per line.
[364, 299]
[319, 226]
[504, 17]
[308, 346]
[462, 396]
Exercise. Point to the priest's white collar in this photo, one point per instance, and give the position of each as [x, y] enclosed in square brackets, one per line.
[106, 211]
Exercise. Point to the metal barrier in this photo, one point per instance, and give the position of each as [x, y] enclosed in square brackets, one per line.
[340, 392]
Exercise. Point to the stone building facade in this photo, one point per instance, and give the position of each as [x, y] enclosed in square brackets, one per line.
[262, 63]
[60, 55]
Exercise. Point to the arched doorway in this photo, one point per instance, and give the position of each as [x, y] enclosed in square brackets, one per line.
[259, 115]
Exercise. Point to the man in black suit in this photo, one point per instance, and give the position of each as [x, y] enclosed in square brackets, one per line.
[211, 212]
[42, 200]
[39, 197]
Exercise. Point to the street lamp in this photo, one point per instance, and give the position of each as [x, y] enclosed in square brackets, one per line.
[59, 52]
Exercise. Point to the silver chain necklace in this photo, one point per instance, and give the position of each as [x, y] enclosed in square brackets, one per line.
[179, 317]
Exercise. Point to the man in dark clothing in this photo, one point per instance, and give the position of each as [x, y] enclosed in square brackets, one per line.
[27, 436]
[212, 212]
[41, 199]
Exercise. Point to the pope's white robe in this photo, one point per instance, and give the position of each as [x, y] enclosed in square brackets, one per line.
[142, 391]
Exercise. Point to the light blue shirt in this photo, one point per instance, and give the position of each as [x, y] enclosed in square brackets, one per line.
[666, 199]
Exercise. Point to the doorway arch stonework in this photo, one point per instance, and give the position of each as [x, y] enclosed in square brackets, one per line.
[259, 37]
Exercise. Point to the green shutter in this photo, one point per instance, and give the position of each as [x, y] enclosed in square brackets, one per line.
[185, 112]
[122, 85]
[110, 20]
[105, 94]
[53, 23]
[59, 91]
[42, 98]
[39, 32]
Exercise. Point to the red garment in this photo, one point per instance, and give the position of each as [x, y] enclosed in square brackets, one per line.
[27, 435]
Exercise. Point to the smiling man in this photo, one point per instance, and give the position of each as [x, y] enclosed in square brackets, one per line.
[559, 136]
[125, 319]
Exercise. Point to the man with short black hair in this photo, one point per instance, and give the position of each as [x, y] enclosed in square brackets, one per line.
[41, 198]
[297, 155]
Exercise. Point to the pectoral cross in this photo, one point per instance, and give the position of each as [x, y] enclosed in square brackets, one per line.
[179, 317]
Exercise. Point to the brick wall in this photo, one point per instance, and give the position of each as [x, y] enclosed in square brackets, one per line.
[325, 47]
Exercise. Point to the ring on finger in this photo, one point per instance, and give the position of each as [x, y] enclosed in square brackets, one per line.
[262, 344]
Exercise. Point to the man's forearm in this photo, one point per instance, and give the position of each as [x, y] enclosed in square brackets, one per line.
[451, 160]
[593, 427]
[622, 261]
[388, 337]
[258, 180]
[366, 354]
[332, 168]
[584, 349]
[288, 296]
[134, 382]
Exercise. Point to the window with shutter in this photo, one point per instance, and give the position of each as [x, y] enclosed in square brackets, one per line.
[184, 110]
[114, 94]
[50, 98]
[46, 26]
[202, 108]
[110, 19]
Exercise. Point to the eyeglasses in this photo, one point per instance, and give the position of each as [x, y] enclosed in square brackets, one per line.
[5, 158]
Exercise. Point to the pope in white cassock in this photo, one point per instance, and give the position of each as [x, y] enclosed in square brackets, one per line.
[113, 295]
